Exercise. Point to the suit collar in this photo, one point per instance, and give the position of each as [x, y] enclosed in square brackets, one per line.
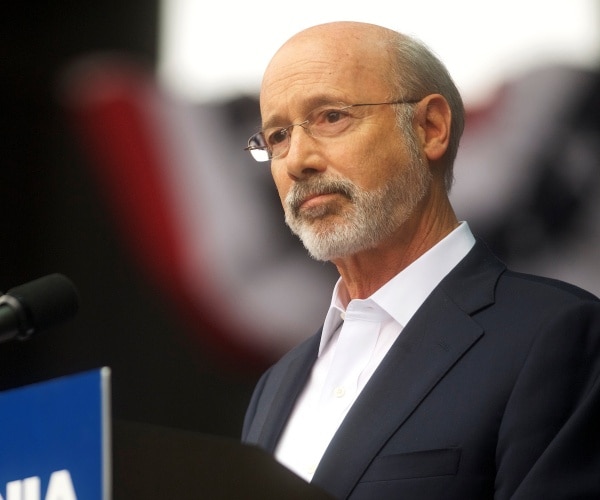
[471, 284]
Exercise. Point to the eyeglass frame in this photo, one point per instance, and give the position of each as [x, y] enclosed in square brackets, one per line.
[304, 124]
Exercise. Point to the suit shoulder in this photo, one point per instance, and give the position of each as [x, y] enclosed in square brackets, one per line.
[549, 287]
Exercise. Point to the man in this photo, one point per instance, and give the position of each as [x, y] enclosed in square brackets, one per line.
[438, 373]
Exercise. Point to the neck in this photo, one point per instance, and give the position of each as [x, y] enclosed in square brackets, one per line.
[367, 271]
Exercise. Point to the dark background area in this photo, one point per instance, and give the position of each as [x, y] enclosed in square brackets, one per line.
[55, 220]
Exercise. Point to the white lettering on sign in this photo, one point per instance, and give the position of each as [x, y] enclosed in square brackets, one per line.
[60, 487]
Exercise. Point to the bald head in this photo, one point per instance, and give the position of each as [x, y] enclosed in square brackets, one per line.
[355, 49]
[343, 38]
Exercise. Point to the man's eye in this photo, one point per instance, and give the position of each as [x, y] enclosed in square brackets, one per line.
[277, 136]
[333, 116]
[330, 122]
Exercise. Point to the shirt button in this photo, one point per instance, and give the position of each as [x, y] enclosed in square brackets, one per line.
[339, 392]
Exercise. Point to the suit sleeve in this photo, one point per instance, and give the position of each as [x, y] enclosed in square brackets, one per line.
[549, 439]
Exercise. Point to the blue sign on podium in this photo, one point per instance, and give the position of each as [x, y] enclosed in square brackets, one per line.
[55, 439]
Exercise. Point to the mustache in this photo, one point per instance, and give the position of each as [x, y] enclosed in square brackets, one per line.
[316, 186]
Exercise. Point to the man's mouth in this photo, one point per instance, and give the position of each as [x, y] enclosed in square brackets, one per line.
[317, 198]
[307, 197]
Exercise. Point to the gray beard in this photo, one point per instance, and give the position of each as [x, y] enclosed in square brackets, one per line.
[373, 216]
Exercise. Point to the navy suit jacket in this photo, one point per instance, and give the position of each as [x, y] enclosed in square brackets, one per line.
[491, 391]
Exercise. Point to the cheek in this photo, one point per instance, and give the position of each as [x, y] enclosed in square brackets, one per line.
[367, 168]
[349, 160]
[366, 160]
[383, 162]
[282, 183]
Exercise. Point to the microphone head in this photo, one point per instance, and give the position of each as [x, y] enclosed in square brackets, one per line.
[46, 301]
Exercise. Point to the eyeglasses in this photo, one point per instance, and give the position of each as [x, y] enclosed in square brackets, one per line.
[325, 121]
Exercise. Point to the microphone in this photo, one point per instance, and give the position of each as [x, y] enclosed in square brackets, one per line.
[36, 306]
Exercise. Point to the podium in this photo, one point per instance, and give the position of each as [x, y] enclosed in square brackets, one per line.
[59, 442]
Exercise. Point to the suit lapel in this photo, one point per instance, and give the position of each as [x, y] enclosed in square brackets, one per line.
[292, 382]
[432, 342]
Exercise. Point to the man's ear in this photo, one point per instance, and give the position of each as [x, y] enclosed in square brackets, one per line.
[433, 125]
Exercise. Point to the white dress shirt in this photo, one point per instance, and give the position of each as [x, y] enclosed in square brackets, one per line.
[357, 334]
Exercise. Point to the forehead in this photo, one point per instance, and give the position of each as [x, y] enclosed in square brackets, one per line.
[315, 69]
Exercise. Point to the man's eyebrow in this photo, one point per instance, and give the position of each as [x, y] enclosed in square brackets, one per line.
[274, 121]
[307, 106]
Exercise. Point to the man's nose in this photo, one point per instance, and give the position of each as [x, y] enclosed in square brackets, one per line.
[303, 158]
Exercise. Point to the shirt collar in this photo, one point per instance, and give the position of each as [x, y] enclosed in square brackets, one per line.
[405, 293]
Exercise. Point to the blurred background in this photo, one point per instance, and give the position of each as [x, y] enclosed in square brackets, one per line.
[122, 126]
